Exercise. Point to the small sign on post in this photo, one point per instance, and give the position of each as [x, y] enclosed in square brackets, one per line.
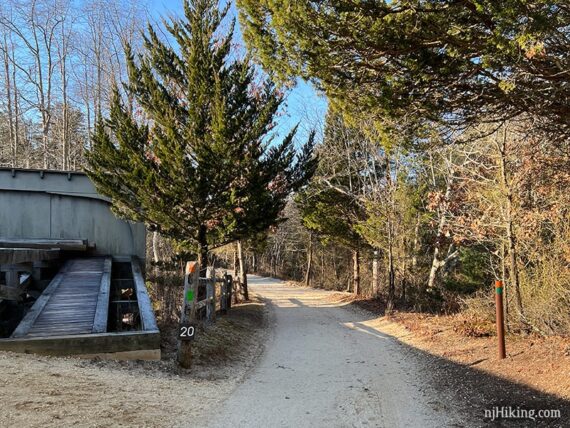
[186, 332]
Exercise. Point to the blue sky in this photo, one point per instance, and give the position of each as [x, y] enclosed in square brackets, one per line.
[303, 104]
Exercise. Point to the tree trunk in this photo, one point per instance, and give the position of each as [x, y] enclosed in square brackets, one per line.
[335, 267]
[309, 272]
[416, 246]
[7, 78]
[236, 269]
[404, 278]
[155, 247]
[202, 251]
[375, 280]
[436, 263]
[236, 273]
[322, 282]
[391, 274]
[65, 143]
[242, 272]
[356, 272]
[390, 236]
[16, 114]
[506, 289]
[511, 240]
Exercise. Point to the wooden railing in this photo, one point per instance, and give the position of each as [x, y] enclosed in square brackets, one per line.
[214, 299]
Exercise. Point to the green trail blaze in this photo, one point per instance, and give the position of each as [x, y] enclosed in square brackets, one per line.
[189, 295]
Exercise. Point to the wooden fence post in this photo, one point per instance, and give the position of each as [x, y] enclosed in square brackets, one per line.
[224, 295]
[229, 291]
[235, 290]
[211, 295]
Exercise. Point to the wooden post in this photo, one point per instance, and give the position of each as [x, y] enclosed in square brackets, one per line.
[224, 296]
[191, 279]
[211, 295]
[242, 272]
[12, 277]
[500, 318]
[229, 290]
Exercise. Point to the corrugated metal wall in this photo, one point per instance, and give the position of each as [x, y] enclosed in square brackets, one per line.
[36, 204]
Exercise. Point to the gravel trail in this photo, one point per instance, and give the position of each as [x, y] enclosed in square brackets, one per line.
[324, 367]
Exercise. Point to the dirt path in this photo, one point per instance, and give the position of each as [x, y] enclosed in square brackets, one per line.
[325, 367]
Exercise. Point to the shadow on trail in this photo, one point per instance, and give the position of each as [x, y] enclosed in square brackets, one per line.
[476, 391]
[463, 387]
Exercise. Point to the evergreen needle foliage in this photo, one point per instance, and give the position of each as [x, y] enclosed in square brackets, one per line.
[450, 61]
[192, 159]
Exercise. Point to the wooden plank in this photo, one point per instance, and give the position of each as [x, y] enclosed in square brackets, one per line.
[72, 307]
[28, 321]
[9, 256]
[59, 319]
[62, 331]
[63, 244]
[102, 310]
[84, 343]
[63, 324]
[145, 307]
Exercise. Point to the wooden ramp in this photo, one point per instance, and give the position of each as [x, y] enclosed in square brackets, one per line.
[69, 304]
[71, 315]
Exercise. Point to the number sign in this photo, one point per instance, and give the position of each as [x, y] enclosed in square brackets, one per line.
[186, 332]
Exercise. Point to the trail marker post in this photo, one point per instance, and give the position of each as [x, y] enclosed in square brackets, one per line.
[188, 316]
[500, 318]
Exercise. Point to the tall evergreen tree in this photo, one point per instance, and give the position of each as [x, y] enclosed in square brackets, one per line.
[199, 168]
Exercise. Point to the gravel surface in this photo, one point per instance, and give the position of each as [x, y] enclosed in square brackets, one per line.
[324, 367]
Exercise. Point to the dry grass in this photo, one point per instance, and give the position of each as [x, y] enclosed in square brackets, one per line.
[229, 340]
[545, 293]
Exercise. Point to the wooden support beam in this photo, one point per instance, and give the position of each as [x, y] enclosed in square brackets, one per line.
[12, 278]
[62, 244]
[84, 343]
[102, 309]
[145, 306]
[15, 287]
[12, 256]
